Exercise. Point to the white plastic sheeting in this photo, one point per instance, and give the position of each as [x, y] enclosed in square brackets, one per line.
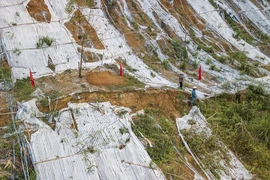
[234, 169]
[103, 147]
[20, 31]
[117, 47]
[255, 14]
[215, 22]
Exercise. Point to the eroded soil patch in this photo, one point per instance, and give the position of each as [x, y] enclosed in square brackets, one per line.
[39, 10]
[104, 78]
[77, 25]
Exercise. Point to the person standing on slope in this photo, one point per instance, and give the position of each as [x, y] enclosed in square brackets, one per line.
[181, 79]
[193, 95]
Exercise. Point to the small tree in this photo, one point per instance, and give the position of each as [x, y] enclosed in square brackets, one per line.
[83, 38]
[82, 35]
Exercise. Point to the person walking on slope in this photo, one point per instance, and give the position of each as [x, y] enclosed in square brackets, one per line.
[237, 96]
[181, 79]
[193, 95]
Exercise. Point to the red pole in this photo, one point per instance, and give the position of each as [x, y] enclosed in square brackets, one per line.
[121, 70]
[200, 73]
[32, 79]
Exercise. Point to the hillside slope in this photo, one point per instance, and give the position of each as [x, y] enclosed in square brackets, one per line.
[76, 48]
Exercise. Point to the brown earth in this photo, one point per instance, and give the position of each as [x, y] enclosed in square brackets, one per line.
[133, 37]
[79, 24]
[101, 78]
[36, 7]
[107, 85]
[169, 100]
[104, 78]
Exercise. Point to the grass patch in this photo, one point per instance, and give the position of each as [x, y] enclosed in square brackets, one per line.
[179, 50]
[44, 40]
[17, 51]
[208, 149]
[166, 64]
[23, 89]
[52, 67]
[244, 127]
[163, 134]
[5, 73]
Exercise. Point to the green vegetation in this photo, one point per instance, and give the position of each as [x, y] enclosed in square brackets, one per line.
[17, 51]
[43, 102]
[180, 51]
[163, 151]
[239, 56]
[23, 89]
[163, 135]
[208, 49]
[53, 94]
[5, 73]
[183, 65]
[240, 33]
[135, 25]
[221, 59]
[8, 147]
[244, 127]
[206, 148]
[70, 6]
[52, 66]
[166, 64]
[45, 39]
[123, 130]
[240, 59]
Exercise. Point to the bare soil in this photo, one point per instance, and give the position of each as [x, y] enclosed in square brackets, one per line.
[39, 11]
[104, 78]
[79, 24]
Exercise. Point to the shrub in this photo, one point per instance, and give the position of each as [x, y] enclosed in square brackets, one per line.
[166, 64]
[239, 56]
[163, 149]
[17, 51]
[48, 40]
[245, 127]
[52, 66]
[183, 65]
[23, 89]
[180, 51]
[44, 102]
[45, 39]
[213, 67]
[195, 64]
[70, 6]
[221, 59]
[5, 73]
[208, 61]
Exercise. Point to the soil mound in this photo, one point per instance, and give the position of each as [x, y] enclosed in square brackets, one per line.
[104, 78]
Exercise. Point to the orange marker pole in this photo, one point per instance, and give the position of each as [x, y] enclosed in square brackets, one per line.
[121, 70]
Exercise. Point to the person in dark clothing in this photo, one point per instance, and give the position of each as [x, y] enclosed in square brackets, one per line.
[181, 79]
[237, 96]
